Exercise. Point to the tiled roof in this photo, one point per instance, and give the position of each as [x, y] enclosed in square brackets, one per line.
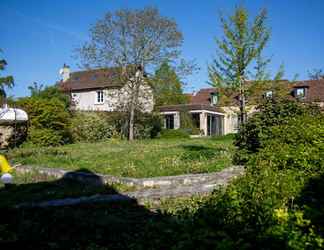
[314, 89]
[93, 79]
[314, 92]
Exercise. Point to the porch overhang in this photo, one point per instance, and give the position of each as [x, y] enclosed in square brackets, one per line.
[192, 108]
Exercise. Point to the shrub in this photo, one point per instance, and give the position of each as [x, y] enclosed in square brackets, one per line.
[254, 135]
[47, 118]
[44, 137]
[91, 127]
[174, 133]
[147, 125]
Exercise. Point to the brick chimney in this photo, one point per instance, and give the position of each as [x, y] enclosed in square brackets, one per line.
[65, 72]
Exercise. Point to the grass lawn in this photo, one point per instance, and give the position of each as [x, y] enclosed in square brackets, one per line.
[144, 158]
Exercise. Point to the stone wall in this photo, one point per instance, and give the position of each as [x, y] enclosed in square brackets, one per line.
[11, 135]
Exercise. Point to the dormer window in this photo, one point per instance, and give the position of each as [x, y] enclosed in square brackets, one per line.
[213, 98]
[300, 92]
[268, 94]
[100, 97]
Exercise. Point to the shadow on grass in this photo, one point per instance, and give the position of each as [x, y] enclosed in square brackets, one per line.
[114, 225]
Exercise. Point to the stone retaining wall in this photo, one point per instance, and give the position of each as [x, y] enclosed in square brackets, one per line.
[165, 181]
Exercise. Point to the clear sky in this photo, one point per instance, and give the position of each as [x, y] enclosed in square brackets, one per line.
[37, 37]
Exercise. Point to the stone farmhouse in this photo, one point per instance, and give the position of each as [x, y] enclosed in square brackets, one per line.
[101, 90]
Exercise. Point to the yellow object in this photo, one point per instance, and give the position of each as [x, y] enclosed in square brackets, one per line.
[4, 165]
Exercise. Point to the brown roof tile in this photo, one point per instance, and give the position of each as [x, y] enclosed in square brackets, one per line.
[314, 89]
[93, 79]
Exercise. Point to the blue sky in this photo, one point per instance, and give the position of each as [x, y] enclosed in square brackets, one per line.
[37, 37]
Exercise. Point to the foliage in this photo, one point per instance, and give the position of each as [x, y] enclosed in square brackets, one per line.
[174, 133]
[241, 46]
[5, 82]
[277, 204]
[167, 86]
[91, 127]
[48, 92]
[148, 125]
[274, 115]
[238, 51]
[48, 118]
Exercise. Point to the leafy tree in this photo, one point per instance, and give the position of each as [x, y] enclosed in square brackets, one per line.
[134, 41]
[48, 92]
[5, 81]
[238, 50]
[167, 86]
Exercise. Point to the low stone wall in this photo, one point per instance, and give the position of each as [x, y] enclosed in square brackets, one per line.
[165, 181]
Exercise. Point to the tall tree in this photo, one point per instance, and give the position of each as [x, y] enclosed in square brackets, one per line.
[5, 81]
[135, 41]
[239, 48]
[167, 86]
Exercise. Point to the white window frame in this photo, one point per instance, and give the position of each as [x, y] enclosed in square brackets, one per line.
[269, 94]
[301, 92]
[100, 97]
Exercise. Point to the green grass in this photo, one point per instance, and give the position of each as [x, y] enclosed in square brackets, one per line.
[144, 158]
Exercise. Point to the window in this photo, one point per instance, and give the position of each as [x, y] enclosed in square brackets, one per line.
[268, 94]
[169, 121]
[300, 92]
[100, 97]
[214, 98]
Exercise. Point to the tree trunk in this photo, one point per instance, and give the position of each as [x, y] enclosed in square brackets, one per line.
[242, 104]
[242, 109]
[131, 123]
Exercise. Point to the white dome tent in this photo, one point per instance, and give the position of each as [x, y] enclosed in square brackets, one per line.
[12, 116]
[13, 126]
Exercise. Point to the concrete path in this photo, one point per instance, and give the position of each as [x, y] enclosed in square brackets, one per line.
[151, 189]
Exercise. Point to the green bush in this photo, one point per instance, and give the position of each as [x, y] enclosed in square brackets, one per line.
[254, 135]
[44, 137]
[47, 118]
[91, 127]
[147, 125]
[174, 133]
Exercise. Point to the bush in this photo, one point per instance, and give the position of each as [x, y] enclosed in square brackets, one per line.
[273, 206]
[147, 125]
[47, 118]
[92, 127]
[254, 135]
[174, 133]
[44, 137]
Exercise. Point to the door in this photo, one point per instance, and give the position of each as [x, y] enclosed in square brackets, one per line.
[214, 125]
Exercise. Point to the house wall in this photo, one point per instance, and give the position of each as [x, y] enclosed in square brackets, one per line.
[231, 118]
[114, 99]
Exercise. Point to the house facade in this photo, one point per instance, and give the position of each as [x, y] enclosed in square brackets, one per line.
[101, 90]
[211, 118]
